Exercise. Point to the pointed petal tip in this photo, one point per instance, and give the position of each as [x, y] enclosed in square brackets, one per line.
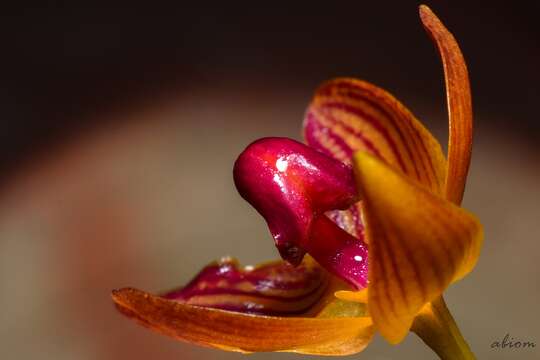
[123, 299]
[424, 10]
[120, 295]
[429, 19]
[116, 294]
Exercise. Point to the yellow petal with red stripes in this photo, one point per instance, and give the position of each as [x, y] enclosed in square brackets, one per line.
[419, 244]
[349, 115]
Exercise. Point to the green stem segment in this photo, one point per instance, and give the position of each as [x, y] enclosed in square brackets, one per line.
[437, 328]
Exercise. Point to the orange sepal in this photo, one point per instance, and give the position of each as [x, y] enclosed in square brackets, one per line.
[458, 93]
[232, 331]
[419, 244]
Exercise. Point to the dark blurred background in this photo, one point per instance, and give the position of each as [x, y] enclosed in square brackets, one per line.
[63, 64]
[120, 124]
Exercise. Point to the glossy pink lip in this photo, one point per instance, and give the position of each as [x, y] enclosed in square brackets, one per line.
[292, 186]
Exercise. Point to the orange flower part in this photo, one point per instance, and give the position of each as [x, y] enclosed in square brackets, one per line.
[366, 216]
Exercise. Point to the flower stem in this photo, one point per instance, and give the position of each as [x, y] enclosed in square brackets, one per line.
[437, 328]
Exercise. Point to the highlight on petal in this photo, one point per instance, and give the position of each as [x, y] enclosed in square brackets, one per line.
[459, 103]
[274, 288]
[292, 186]
[349, 115]
[240, 332]
[419, 244]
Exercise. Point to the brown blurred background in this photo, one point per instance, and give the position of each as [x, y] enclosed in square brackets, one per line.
[120, 126]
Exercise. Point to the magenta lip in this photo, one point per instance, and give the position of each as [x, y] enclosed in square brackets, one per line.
[292, 185]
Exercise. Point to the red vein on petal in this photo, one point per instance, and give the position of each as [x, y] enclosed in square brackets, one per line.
[395, 273]
[375, 123]
[390, 117]
[403, 123]
[390, 126]
[331, 121]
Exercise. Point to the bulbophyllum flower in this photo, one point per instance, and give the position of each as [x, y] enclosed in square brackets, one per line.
[366, 217]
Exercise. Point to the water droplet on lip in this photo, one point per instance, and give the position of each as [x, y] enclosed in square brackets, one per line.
[357, 258]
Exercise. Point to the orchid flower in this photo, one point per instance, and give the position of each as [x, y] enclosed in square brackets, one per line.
[366, 216]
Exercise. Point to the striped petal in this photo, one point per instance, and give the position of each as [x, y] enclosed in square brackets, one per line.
[419, 244]
[458, 94]
[275, 288]
[349, 115]
[233, 331]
